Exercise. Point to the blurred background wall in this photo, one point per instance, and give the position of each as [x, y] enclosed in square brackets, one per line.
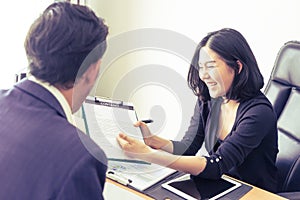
[151, 43]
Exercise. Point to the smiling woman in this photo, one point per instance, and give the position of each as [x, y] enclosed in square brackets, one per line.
[232, 118]
[214, 72]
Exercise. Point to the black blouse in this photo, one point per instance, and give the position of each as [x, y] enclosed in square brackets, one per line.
[248, 152]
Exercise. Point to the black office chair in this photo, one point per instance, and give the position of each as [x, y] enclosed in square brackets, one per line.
[283, 90]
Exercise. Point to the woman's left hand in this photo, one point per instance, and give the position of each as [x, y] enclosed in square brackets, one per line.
[133, 147]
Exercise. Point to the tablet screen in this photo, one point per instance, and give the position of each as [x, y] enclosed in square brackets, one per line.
[199, 188]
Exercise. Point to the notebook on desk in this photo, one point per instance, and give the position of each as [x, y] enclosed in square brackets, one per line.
[190, 189]
[104, 119]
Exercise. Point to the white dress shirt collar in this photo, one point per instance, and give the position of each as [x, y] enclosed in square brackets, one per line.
[58, 95]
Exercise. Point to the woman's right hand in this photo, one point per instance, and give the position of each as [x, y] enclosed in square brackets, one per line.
[154, 141]
[147, 135]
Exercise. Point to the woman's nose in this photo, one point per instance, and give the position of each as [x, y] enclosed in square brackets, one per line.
[203, 74]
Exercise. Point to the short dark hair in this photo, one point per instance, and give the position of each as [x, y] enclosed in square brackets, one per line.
[231, 46]
[61, 39]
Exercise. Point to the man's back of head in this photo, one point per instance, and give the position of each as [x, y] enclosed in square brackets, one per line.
[60, 40]
[42, 154]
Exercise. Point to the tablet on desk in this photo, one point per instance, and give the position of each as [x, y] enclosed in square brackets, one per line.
[191, 189]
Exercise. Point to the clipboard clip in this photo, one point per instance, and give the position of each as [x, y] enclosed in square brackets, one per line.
[118, 177]
[108, 102]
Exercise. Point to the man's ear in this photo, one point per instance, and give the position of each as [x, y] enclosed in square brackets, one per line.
[240, 66]
[92, 72]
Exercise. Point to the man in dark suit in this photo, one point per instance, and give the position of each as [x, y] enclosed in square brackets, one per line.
[42, 154]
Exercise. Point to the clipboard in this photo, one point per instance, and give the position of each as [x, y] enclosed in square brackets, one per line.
[104, 119]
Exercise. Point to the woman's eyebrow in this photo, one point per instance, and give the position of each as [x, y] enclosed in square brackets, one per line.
[208, 62]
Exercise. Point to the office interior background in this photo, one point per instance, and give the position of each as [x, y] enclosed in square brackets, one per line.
[151, 43]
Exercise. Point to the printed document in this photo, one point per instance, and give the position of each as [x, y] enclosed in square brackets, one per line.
[104, 120]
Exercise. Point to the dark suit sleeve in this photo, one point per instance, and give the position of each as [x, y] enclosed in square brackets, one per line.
[85, 181]
[194, 136]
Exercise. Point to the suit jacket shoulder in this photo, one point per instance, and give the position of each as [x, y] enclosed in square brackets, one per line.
[43, 156]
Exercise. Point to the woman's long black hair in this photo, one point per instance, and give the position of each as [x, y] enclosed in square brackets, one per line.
[231, 46]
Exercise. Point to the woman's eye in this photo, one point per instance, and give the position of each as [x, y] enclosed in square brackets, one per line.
[211, 66]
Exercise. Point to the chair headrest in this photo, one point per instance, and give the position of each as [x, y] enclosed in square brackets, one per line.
[286, 69]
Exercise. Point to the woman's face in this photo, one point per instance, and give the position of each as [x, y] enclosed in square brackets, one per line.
[214, 72]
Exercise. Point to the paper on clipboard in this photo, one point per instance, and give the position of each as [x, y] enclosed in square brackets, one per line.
[105, 120]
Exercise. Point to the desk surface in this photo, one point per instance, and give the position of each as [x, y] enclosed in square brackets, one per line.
[139, 194]
[254, 193]
[257, 193]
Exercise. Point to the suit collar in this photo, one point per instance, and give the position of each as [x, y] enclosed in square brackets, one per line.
[39, 92]
[58, 95]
